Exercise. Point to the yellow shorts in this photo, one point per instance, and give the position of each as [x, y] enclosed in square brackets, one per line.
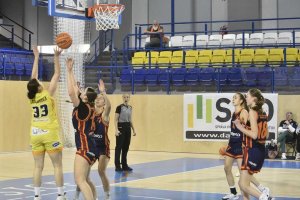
[45, 140]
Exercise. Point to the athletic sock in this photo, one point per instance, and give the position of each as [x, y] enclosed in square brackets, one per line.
[37, 191]
[233, 190]
[261, 187]
[60, 191]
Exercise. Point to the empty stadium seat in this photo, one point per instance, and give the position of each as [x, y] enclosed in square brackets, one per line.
[202, 40]
[165, 54]
[228, 40]
[249, 76]
[141, 54]
[176, 41]
[19, 69]
[206, 53]
[194, 53]
[228, 58]
[235, 77]
[178, 76]
[190, 61]
[270, 38]
[275, 56]
[204, 58]
[246, 57]
[28, 69]
[153, 61]
[176, 61]
[151, 77]
[221, 76]
[191, 76]
[261, 57]
[239, 39]
[264, 77]
[125, 77]
[284, 38]
[280, 76]
[139, 76]
[153, 54]
[291, 56]
[138, 61]
[163, 77]
[188, 41]
[15, 59]
[294, 79]
[218, 57]
[297, 37]
[178, 53]
[215, 40]
[256, 38]
[206, 76]
[163, 62]
[9, 69]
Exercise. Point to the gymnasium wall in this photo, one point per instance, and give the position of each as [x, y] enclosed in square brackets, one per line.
[158, 120]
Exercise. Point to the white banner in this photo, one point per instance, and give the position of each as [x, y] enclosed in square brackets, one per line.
[207, 116]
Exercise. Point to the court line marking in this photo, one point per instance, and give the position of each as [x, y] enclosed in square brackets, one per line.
[146, 197]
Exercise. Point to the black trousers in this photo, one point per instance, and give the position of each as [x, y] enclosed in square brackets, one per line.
[122, 144]
[298, 143]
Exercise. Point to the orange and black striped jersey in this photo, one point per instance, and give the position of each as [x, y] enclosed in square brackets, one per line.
[262, 123]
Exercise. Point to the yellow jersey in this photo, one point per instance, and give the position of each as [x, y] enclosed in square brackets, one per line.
[43, 111]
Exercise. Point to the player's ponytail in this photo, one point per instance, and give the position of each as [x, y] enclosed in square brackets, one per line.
[33, 88]
[259, 101]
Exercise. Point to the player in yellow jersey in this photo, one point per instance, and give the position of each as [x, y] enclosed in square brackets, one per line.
[44, 125]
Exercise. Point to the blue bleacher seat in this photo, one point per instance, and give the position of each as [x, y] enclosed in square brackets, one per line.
[9, 69]
[28, 69]
[250, 76]
[139, 76]
[163, 77]
[178, 76]
[1, 68]
[192, 76]
[280, 76]
[151, 77]
[206, 76]
[235, 77]
[264, 77]
[24, 60]
[126, 77]
[221, 75]
[15, 59]
[7, 58]
[19, 69]
[294, 79]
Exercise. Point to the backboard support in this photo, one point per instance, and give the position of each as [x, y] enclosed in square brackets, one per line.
[74, 9]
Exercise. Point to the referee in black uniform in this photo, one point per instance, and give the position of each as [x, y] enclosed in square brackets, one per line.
[123, 126]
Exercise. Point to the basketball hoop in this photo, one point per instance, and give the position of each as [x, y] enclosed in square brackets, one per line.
[106, 15]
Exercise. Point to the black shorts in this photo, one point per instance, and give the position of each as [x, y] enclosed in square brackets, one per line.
[234, 150]
[253, 159]
[86, 148]
[103, 150]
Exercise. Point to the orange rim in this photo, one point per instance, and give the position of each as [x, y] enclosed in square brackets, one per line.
[104, 6]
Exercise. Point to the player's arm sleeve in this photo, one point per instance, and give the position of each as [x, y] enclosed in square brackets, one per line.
[118, 109]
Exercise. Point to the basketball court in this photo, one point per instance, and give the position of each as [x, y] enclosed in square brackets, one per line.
[169, 162]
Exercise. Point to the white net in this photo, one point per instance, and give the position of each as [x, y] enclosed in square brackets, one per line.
[80, 33]
[107, 16]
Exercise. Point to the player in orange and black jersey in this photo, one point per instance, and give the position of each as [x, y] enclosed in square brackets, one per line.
[255, 134]
[83, 122]
[234, 149]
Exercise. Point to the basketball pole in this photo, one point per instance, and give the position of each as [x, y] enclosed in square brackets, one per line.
[172, 17]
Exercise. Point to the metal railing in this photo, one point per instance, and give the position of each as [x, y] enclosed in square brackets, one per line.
[14, 35]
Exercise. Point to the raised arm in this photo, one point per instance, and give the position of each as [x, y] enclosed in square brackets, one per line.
[70, 80]
[35, 67]
[253, 133]
[55, 77]
[107, 108]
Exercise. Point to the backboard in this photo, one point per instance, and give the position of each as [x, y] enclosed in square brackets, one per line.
[74, 9]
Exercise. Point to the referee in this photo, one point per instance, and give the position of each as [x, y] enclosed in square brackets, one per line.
[123, 126]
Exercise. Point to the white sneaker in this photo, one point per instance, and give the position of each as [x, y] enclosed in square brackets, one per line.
[283, 156]
[237, 174]
[37, 198]
[62, 197]
[266, 191]
[231, 197]
[263, 196]
[297, 156]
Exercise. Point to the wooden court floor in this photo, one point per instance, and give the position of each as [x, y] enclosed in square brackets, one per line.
[156, 175]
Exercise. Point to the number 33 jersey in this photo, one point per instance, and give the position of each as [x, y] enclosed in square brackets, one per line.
[43, 112]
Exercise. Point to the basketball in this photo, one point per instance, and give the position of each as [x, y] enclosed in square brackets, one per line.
[222, 150]
[63, 40]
